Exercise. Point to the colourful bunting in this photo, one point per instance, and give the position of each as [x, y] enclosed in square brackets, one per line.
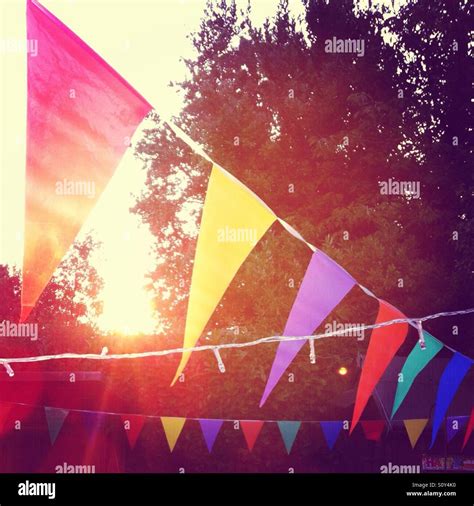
[324, 285]
[470, 428]
[172, 427]
[414, 429]
[210, 429]
[251, 430]
[133, 425]
[384, 343]
[55, 418]
[233, 221]
[373, 429]
[81, 116]
[331, 431]
[454, 424]
[289, 431]
[450, 380]
[416, 361]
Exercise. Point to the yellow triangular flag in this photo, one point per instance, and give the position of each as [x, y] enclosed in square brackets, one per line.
[233, 221]
[173, 428]
[415, 428]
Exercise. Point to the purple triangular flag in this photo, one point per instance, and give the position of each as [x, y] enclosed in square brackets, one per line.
[210, 429]
[455, 424]
[324, 285]
[331, 432]
[55, 419]
[92, 420]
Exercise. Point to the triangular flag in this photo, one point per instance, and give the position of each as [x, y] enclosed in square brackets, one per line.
[289, 430]
[5, 410]
[210, 429]
[449, 383]
[324, 285]
[414, 429]
[81, 116]
[133, 425]
[331, 431]
[233, 221]
[92, 421]
[470, 428]
[455, 424]
[416, 361]
[55, 418]
[373, 429]
[384, 343]
[251, 430]
[172, 427]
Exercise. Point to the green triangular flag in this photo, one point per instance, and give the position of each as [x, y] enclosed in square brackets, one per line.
[289, 430]
[414, 364]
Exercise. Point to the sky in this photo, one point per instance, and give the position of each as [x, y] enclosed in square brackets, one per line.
[145, 41]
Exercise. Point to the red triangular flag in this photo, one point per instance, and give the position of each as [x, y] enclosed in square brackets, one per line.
[470, 428]
[384, 343]
[373, 429]
[133, 425]
[81, 116]
[251, 430]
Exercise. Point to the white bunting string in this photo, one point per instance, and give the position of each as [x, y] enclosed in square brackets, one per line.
[6, 362]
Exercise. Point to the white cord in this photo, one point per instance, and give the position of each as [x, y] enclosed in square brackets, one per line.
[215, 347]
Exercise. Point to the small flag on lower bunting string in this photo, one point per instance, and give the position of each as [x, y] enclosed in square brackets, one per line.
[331, 431]
[172, 427]
[251, 430]
[210, 429]
[133, 425]
[55, 418]
[373, 429]
[414, 429]
[289, 431]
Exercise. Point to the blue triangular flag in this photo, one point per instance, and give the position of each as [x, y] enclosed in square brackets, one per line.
[55, 418]
[448, 384]
[454, 424]
[289, 430]
[331, 432]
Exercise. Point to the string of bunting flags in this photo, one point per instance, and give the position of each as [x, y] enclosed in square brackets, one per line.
[91, 126]
[210, 427]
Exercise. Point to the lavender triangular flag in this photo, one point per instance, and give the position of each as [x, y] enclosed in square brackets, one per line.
[210, 429]
[324, 285]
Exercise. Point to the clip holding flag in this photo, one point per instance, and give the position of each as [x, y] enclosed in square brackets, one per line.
[312, 352]
[421, 336]
[220, 362]
[9, 369]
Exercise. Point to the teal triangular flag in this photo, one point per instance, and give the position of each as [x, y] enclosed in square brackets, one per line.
[55, 418]
[289, 430]
[414, 364]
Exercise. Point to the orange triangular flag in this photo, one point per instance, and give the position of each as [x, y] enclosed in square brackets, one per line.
[414, 429]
